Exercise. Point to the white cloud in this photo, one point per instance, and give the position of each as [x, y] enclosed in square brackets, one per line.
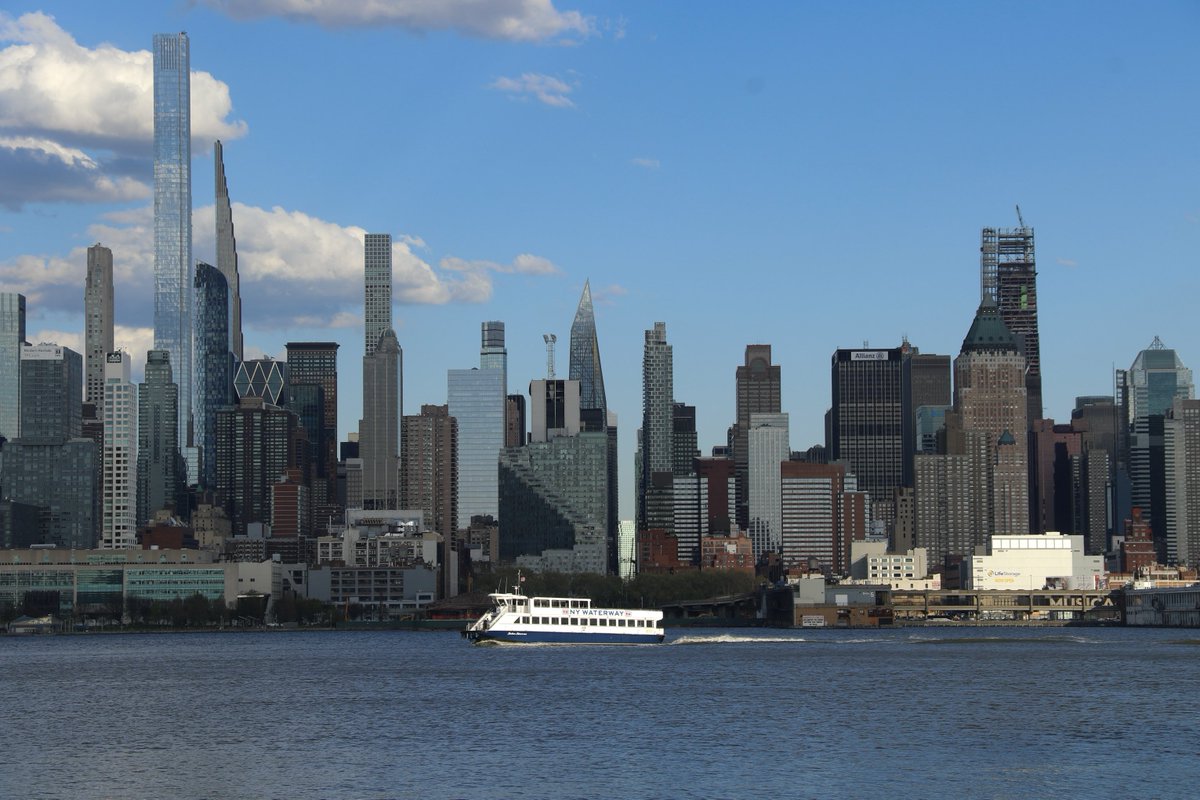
[1067, 262]
[515, 20]
[545, 88]
[524, 264]
[42, 170]
[51, 86]
[135, 341]
[645, 163]
[76, 122]
[607, 295]
[296, 270]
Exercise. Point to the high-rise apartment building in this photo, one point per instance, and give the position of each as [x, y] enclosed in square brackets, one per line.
[684, 442]
[377, 294]
[257, 445]
[97, 321]
[1008, 272]
[12, 339]
[429, 477]
[315, 364]
[476, 399]
[214, 364]
[819, 517]
[118, 499]
[173, 214]
[159, 467]
[757, 384]
[1184, 479]
[227, 261]
[379, 444]
[657, 412]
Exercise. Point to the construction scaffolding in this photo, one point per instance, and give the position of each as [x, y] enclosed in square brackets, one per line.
[1008, 281]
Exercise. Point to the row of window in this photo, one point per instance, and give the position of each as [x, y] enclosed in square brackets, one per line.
[591, 622]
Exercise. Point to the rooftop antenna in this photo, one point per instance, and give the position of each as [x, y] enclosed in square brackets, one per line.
[549, 339]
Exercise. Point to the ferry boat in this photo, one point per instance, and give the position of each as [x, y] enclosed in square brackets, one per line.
[562, 620]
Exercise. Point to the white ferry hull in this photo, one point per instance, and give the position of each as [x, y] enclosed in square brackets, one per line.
[562, 637]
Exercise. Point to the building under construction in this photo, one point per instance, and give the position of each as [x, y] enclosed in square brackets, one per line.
[1008, 278]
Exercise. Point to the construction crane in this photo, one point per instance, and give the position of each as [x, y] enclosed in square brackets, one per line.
[1020, 219]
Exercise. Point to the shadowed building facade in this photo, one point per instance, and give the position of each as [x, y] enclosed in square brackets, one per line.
[757, 384]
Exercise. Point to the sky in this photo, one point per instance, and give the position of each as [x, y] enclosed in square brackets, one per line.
[812, 175]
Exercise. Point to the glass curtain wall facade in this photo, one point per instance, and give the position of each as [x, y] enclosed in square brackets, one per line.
[214, 363]
[476, 399]
[227, 253]
[173, 213]
[12, 338]
[158, 467]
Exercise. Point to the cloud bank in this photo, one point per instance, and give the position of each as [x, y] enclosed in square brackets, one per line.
[512, 20]
[545, 89]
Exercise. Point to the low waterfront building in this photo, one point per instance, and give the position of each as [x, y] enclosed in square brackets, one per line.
[381, 592]
[1031, 561]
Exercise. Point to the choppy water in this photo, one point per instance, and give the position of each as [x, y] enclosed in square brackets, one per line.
[907, 713]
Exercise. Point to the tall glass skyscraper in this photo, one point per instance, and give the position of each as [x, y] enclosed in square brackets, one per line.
[12, 338]
[214, 364]
[585, 356]
[227, 253]
[173, 213]
[492, 352]
[476, 400]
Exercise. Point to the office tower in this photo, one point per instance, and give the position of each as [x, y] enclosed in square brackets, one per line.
[719, 475]
[429, 478]
[257, 444]
[173, 214]
[1054, 449]
[767, 445]
[227, 261]
[159, 467]
[1009, 282]
[214, 363]
[819, 517]
[12, 339]
[869, 421]
[657, 404]
[476, 399]
[51, 393]
[554, 503]
[989, 399]
[684, 444]
[97, 321]
[264, 378]
[377, 288]
[927, 394]
[757, 384]
[49, 466]
[1155, 380]
[119, 494]
[315, 364]
[379, 443]
[1183, 480]
[554, 409]
[492, 353]
[585, 356]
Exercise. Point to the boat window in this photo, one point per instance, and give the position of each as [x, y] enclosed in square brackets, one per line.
[620, 623]
[539, 603]
[556, 603]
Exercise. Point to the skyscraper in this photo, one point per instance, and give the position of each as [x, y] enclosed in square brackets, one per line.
[227, 260]
[214, 363]
[97, 321]
[585, 356]
[159, 468]
[379, 444]
[657, 411]
[429, 477]
[118, 503]
[315, 364]
[1009, 282]
[377, 288]
[757, 384]
[51, 393]
[492, 352]
[476, 399]
[12, 339]
[768, 446]
[869, 420]
[1156, 379]
[173, 213]
[257, 444]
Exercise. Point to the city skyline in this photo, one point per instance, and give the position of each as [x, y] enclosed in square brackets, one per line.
[790, 200]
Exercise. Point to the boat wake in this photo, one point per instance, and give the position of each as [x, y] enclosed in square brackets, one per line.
[733, 638]
[1023, 640]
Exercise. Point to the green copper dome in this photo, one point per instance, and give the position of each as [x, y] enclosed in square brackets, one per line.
[989, 332]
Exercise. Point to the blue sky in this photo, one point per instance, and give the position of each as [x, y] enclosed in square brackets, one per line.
[811, 175]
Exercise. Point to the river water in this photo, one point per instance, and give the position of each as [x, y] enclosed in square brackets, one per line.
[904, 713]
